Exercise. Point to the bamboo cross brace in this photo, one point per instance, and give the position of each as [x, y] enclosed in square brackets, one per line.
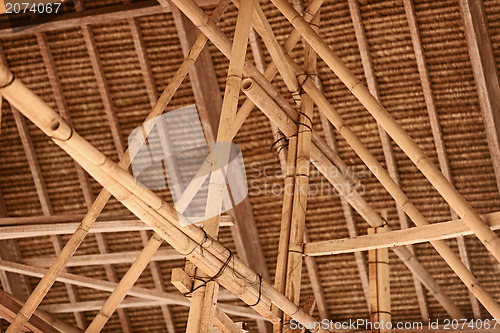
[407, 144]
[144, 203]
[206, 253]
[202, 310]
[276, 114]
[444, 250]
[74, 242]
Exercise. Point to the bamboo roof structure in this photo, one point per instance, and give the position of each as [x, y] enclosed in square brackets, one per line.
[369, 136]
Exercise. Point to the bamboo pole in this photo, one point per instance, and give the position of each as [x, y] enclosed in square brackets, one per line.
[205, 252]
[380, 301]
[284, 238]
[301, 172]
[444, 250]
[407, 144]
[274, 112]
[204, 297]
[435, 231]
[81, 232]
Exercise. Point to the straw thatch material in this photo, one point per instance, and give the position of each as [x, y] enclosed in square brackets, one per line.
[397, 78]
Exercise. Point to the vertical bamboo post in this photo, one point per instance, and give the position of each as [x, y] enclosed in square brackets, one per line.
[302, 168]
[284, 239]
[378, 272]
[394, 190]
[210, 257]
[407, 144]
[201, 318]
[76, 239]
[324, 165]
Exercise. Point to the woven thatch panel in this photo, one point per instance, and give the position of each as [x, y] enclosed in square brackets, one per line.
[399, 86]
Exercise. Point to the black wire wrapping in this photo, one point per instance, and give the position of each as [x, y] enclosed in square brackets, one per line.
[295, 95]
[206, 280]
[210, 279]
[10, 82]
[260, 291]
[203, 241]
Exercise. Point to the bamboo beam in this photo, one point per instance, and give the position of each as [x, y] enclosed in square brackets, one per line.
[208, 100]
[207, 96]
[106, 258]
[202, 77]
[380, 297]
[449, 193]
[42, 288]
[37, 230]
[491, 241]
[143, 293]
[210, 29]
[82, 176]
[435, 128]
[384, 138]
[93, 16]
[62, 106]
[203, 299]
[15, 284]
[485, 74]
[39, 323]
[272, 110]
[312, 269]
[43, 196]
[139, 200]
[301, 178]
[65, 224]
[154, 243]
[127, 303]
[427, 233]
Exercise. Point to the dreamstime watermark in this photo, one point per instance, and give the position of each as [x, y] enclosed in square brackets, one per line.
[268, 181]
[170, 152]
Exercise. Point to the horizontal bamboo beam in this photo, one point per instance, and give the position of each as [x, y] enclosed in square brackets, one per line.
[150, 294]
[106, 258]
[208, 254]
[129, 302]
[93, 16]
[37, 230]
[407, 144]
[436, 231]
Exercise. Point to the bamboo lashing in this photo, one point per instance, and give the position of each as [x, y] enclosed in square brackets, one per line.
[89, 157]
[198, 248]
[199, 179]
[445, 251]
[74, 242]
[407, 144]
[276, 114]
[204, 296]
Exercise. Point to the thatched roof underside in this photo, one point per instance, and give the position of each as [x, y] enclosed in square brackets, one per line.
[390, 46]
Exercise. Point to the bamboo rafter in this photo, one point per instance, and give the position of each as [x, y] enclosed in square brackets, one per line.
[210, 256]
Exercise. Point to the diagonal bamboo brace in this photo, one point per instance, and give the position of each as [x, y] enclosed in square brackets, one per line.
[407, 144]
[148, 207]
[74, 242]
